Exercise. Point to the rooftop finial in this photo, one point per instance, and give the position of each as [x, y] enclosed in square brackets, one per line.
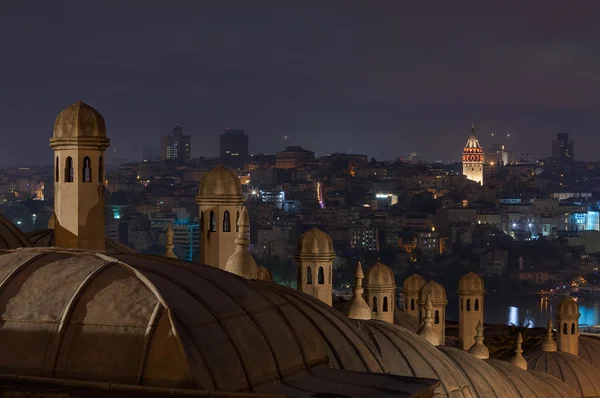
[170, 246]
[358, 307]
[473, 128]
[479, 350]
[518, 359]
[427, 331]
[241, 261]
[548, 344]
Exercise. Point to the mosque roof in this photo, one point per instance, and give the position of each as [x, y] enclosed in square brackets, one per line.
[77, 314]
[79, 121]
[405, 320]
[589, 350]
[11, 237]
[220, 181]
[561, 388]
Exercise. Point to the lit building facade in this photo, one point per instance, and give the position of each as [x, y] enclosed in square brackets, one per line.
[233, 147]
[473, 158]
[177, 147]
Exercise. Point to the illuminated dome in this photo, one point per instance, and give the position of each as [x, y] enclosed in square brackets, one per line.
[435, 290]
[11, 237]
[470, 283]
[220, 181]
[577, 373]
[315, 242]
[483, 379]
[407, 354]
[568, 307]
[79, 121]
[379, 275]
[472, 141]
[77, 314]
[528, 385]
[414, 283]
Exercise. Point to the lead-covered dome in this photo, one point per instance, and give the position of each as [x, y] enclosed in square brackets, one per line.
[414, 283]
[470, 283]
[315, 243]
[379, 275]
[139, 319]
[556, 387]
[79, 121]
[567, 307]
[433, 289]
[220, 181]
[405, 320]
[47, 238]
[11, 237]
[407, 354]
[589, 350]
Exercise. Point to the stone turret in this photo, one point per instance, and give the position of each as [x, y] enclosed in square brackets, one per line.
[427, 331]
[314, 259]
[439, 302]
[381, 291]
[470, 308]
[567, 326]
[170, 245]
[412, 286]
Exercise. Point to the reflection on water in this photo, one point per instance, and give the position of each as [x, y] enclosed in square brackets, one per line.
[530, 311]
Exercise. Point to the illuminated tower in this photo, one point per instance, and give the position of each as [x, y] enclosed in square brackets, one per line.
[472, 158]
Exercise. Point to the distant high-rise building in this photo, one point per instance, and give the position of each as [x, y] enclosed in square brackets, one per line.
[294, 157]
[234, 147]
[472, 158]
[562, 148]
[177, 147]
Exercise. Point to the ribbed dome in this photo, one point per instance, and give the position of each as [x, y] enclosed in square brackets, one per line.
[577, 373]
[11, 237]
[483, 378]
[46, 238]
[568, 307]
[405, 320]
[78, 121]
[315, 243]
[148, 320]
[526, 384]
[379, 275]
[433, 289]
[220, 181]
[557, 388]
[414, 283]
[589, 350]
[407, 354]
[470, 283]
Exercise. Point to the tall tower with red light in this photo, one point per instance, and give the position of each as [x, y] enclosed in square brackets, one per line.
[472, 158]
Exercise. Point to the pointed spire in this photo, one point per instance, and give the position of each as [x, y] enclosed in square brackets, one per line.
[243, 224]
[358, 307]
[518, 360]
[241, 261]
[479, 350]
[170, 245]
[473, 129]
[548, 344]
[427, 331]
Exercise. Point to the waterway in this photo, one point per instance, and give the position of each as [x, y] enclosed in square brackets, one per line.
[523, 309]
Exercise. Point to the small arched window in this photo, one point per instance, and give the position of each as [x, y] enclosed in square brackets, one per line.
[461, 305]
[100, 170]
[329, 275]
[572, 328]
[385, 304]
[87, 169]
[374, 304]
[237, 218]
[476, 304]
[406, 304]
[226, 222]
[213, 222]
[69, 169]
[468, 304]
[321, 276]
[201, 220]
[436, 318]
[308, 276]
[57, 171]
[412, 304]
[565, 328]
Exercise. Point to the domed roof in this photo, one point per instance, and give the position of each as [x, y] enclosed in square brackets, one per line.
[46, 238]
[567, 307]
[264, 274]
[380, 275]
[483, 379]
[414, 283]
[407, 354]
[11, 237]
[589, 350]
[527, 384]
[77, 314]
[556, 388]
[405, 320]
[220, 181]
[315, 243]
[433, 289]
[470, 283]
[577, 373]
[78, 121]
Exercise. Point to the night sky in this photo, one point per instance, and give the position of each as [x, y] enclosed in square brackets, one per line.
[377, 77]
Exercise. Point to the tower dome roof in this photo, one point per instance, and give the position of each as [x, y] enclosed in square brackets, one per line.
[528, 384]
[577, 373]
[83, 315]
[220, 181]
[472, 142]
[567, 307]
[414, 283]
[315, 243]
[11, 237]
[408, 354]
[470, 283]
[483, 378]
[79, 121]
[379, 275]
[433, 289]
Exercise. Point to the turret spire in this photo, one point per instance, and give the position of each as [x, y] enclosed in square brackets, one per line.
[358, 307]
[241, 261]
[548, 344]
[518, 360]
[479, 350]
[427, 331]
[170, 245]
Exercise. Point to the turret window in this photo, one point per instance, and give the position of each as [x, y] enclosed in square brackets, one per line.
[329, 275]
[87, 169]
[412, 304]
[213, 222]
[476, 304]
[57, 171]
[468, 304]
[461, 305]
[237, 218]
[436, 318]
[201, 220]
[321, 276]
[385, 304]
[100, 170]
[226, 222]
[308, 276]
[565, 328]
[572, 328]
[374, 304]
[69, 169]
